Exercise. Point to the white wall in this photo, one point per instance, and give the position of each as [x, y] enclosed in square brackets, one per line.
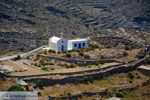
[71, 44]
[53, 46]
[62, 44]
[65, 45]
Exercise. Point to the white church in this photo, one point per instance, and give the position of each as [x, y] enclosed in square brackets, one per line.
[62, 44]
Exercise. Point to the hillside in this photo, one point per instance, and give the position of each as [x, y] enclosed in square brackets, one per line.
[130, 14]
[41, 19]
[50, 17]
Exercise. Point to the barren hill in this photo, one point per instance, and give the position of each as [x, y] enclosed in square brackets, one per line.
[31, 19]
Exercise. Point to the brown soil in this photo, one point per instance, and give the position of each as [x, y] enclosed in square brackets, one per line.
[111, 82]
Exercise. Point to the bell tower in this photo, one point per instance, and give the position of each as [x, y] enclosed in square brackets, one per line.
[61, 34]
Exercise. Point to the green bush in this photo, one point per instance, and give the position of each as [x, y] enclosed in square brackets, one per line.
[138, 77]
[125, 53]
[69, 94]
[120, 94]
[45, 69]
[73, 50]
[86, 56]
[45, 52]
[68, 55]
[93, 46]
[83, 49]
[126, 48]
[91, 79]
[101, 61]
[37, 58]
[58, 52]
[89, 66]
[39, 83]
[64, 52]
[52, 69]
[97, 63]
[85, 79]
[130, 75]
[16, 88]
[53, 51]
[78, 50]
[35, 64]
[88, 79]
[7, 72]
[39, 65]
[87, 49]
[81, 54]
[147, 60]
[50, 51]
[73, 65]
[42, 62]
[102, 57]
[67, 66]
[109, 94]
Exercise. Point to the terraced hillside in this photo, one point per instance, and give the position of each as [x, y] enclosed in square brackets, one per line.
[44, 18]
[40, 19]
[131, 14]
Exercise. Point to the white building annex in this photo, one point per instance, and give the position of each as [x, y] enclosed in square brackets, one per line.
[62, 44]
[77, 44]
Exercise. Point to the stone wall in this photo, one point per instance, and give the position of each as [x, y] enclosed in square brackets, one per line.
[114, 69]
[131, 88]
[71, 73]
[102, 93]
[76, 97]
[77, 61]
[143, 52]
[95, 76]
[144, 71]
[106, 37]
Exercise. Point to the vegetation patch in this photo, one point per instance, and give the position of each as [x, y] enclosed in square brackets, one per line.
[47, 69]
[125, 53]
[147, 60]
[16, 88]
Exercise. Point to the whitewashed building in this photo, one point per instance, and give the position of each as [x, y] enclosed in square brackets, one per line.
[77, 44]
[58, 44]
[62, 44]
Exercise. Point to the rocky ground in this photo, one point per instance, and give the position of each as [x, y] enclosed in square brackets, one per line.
[40, 19]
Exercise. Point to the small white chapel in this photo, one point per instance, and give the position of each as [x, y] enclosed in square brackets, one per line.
[62, 44]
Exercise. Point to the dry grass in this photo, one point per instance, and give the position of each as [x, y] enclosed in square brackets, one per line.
[15, 67]
[6, 83]
[110, 83]
[139, 94]
[131, 55]
[58, 69]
